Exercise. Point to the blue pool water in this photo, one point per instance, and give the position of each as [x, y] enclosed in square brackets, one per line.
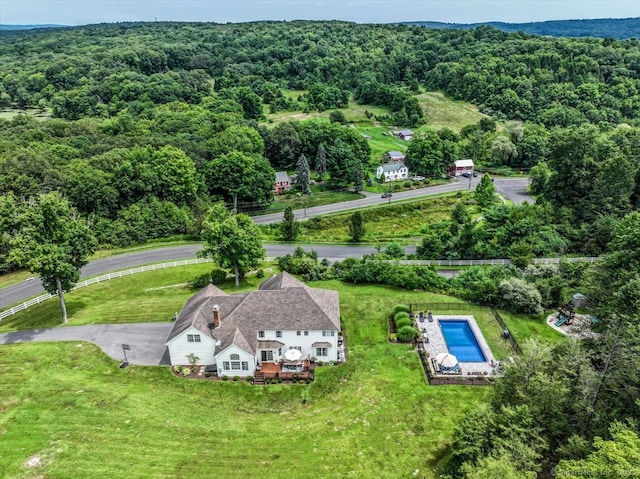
[461, 341]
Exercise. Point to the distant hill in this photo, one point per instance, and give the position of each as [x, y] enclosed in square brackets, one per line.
[29, 27]
[619, 28]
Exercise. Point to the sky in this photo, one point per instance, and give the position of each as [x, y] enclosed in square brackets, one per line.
[81, 12]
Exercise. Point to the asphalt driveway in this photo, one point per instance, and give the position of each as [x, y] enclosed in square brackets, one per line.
[146, 339]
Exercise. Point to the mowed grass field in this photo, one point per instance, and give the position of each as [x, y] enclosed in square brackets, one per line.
[69, 409]
[402, 222]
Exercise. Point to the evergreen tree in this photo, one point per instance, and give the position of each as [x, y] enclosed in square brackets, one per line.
[356, 227]
[289, 228]
[321, 162]
[304, 177]
[485, 192]
[358, 178]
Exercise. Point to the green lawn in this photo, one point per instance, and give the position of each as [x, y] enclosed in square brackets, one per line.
[318, 197]
[400, 221]
[146, 297]
[72, 407]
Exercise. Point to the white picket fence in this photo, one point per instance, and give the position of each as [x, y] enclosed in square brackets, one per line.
[185, 262]
[488, 262]
[99, 279]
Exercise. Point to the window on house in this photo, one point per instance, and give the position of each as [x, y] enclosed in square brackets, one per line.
[267, 355]
[278, 334]
[225, 365]
[299, 348]
[235, 365]
[245, 366]
[306, 333]
[193, 338]
[235, 357]
[261, 334]
[328, 333]
[298, 333]
[321, 351]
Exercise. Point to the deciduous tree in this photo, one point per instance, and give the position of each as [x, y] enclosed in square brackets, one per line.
[233, 241]
[53, 242]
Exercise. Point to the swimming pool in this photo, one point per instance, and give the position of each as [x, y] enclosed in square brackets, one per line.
[461, 341]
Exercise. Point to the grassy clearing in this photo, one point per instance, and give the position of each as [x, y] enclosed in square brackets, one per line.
[442, 112]
[71, 406]
[403, 222]
[38, 113]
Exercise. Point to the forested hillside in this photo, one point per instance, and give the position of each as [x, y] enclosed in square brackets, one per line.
[153, 122]
[618, 28]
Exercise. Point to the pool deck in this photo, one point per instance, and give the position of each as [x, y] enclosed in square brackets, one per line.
[436, 344]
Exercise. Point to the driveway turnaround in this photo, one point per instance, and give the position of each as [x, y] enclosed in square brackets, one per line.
[146, 340]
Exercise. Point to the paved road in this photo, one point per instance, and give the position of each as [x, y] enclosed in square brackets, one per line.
[513, 188]
[369, 200]
[146, 339]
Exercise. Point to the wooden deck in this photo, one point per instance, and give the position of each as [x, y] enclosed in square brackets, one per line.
[273, 371]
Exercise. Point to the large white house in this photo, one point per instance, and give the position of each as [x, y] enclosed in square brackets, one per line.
[393, 171]
[239, 332]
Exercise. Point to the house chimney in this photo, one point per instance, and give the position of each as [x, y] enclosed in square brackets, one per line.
[216, 316]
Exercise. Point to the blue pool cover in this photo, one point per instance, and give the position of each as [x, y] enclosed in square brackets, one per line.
[461, 341]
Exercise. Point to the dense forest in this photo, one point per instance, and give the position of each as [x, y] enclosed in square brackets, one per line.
[153, 123]
[618, 28]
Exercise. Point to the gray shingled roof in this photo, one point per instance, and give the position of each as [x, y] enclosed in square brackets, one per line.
[192, 313]
[283, 280]
[395, 166]
[280, 303]
[282, 176]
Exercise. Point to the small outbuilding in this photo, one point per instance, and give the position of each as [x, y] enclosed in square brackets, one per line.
[406, 135]
[460, 167]
[394, 156]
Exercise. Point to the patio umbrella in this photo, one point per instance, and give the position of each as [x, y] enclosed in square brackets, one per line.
[447, 361]
[292, 355]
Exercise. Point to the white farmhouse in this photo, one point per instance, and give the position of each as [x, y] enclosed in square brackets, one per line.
[392, 171]
[238, 333]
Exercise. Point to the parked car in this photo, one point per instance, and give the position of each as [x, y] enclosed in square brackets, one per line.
[475, 175]
[387, 195]
[466, 175]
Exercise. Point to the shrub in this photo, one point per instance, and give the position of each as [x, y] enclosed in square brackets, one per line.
[320, 363]
[407, 334]
[218, 276]
[207, 374]
[235, 378]
[225, 377]
[260, 273]
[518, 296]
[201, 281]
[393, 337]
[401, 307]
[186, 371]
[403, 322]
[400, 315]
[249, 378]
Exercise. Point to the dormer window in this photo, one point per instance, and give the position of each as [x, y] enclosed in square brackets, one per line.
[261, 334]
[278, 334]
